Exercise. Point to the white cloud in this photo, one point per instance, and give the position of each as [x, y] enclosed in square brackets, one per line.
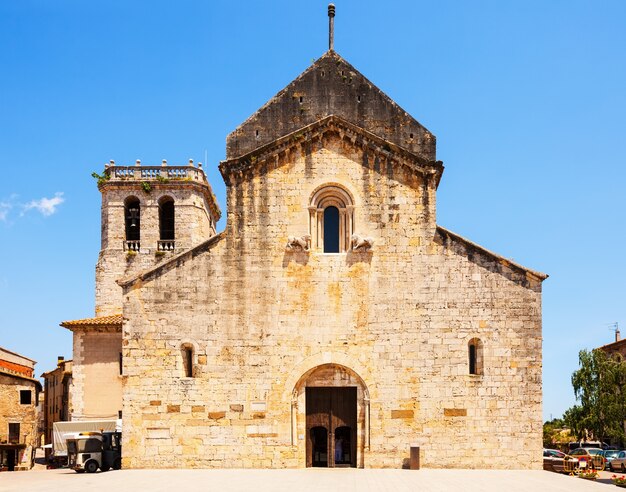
[5, 208]
[46, 206]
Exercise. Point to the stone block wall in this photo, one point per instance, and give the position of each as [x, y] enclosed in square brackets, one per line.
[12, 411]
[398, 319]
[96, 381]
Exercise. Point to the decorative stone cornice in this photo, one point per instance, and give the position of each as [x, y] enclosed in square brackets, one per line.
[347, 131]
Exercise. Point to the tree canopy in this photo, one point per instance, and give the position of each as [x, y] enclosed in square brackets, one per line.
[556, 434]
[601, 409]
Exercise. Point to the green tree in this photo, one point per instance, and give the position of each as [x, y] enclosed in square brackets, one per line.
[602, 403]
[552, 430]
[573, 419]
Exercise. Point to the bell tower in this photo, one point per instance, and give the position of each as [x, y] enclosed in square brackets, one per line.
[148, 214]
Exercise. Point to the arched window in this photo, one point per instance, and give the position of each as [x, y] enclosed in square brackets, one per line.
[132, 216]
[331, 229]
[475, 356]
[188, 356]
[167, 231]
[331, 219]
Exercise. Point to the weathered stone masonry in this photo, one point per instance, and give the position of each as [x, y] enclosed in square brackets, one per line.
[265, 322]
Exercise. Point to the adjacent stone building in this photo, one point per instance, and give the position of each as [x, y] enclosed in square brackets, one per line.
[332, 322]
[57, 400]
[616, 347]
[19, 395]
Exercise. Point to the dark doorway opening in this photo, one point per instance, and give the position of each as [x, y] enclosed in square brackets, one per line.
[343, 446]
[331, 427]
[319, 446]
[11, 454]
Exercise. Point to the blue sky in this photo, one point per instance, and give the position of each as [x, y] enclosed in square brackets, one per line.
[526, 98]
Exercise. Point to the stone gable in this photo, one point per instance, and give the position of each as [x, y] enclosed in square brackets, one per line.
[331, 86]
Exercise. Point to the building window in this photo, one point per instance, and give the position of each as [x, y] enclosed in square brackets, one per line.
[475, 356]
[14, 433]
[26, 397]
[132, 222]
[167, 231]
[187, 352]
[331, 219]
[121, 363]
[331, 230]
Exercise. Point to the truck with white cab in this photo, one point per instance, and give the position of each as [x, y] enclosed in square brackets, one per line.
[90, 451]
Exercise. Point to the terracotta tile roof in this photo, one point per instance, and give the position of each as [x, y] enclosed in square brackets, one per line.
[614, 346]
[18, 368]
[115, 319]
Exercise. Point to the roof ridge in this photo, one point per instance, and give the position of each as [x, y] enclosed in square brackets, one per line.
[145, 274]
[539, 275]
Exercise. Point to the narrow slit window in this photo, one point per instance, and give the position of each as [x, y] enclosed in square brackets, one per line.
[475, 356]
[188, 361]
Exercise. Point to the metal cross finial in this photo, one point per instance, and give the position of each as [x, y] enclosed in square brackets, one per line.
[331, 27]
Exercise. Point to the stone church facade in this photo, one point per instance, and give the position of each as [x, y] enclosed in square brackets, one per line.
[332, 322]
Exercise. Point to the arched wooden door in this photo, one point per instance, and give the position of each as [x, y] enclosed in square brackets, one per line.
[331, 424]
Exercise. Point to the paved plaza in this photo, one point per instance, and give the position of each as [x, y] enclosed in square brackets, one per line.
[305, 480]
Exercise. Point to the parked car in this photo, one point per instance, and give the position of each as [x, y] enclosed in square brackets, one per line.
[592, 457]
[609, 454]
[618, 462]
[586, 444]
[554, 460]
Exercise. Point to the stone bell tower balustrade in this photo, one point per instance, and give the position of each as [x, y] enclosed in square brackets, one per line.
[161, 173]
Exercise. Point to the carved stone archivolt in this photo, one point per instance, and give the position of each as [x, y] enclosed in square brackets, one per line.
[331, 195]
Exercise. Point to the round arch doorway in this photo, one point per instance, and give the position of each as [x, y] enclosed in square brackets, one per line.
[333, 404]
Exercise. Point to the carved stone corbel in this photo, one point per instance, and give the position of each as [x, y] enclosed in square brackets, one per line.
[361, 243]
[299, 243]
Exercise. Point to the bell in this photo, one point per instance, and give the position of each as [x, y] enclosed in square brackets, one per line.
[133, 215]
